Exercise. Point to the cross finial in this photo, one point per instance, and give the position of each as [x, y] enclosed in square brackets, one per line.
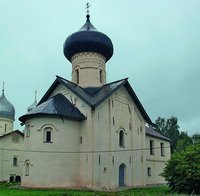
[87, 8]
[35, 95]
[3, 87]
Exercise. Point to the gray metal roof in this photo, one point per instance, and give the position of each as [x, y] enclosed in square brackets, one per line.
[88, 39]
[152, 132]
[57, 106]
[93, 96]
[7, 110]
[32, 106]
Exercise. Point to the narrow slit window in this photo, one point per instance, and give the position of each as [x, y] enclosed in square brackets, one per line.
[162, 149]
[77, 76]
[15, 161]
[151, 147]
[149, 171]
[121, 138]
[100, 76]
[27, 168]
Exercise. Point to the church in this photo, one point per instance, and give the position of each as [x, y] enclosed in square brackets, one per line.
[86, 133]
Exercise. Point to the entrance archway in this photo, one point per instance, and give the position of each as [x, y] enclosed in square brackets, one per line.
[12, 178]
[122, 174]
[18, 179]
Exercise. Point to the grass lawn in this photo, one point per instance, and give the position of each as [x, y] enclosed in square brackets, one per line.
[8, 190]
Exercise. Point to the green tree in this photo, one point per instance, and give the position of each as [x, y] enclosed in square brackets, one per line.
[184, 141]
[196, 138]
[183, 171]
[169, 128]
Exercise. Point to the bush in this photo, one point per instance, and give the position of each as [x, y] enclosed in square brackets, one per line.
[183, 171]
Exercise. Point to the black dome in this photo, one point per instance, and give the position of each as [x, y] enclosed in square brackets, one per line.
[88, 39]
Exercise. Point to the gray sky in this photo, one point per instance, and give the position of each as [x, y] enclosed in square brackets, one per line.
[156, 44]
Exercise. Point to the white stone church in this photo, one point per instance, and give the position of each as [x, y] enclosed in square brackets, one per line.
[83, 133]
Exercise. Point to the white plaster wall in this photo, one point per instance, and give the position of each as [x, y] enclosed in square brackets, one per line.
[9, 151]
[106, 142]
[6, 122]
[156, 162]
[53, 164]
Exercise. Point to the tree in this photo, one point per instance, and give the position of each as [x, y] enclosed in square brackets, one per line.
[169, 128]
[183, 142]
[196, 138]
[183, 171]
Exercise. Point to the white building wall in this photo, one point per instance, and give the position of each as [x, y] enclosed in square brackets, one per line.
[6, 125]
[156, 162]
[53, 164]
[10, 147]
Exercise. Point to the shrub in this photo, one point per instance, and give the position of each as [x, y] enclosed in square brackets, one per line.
[183, 171]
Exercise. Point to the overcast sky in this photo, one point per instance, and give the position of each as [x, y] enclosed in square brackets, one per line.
[156, 44]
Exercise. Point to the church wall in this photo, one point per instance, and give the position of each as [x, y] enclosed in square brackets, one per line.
[6, 125]
[14, 142]
[57, 164]
[86, 157]
[156, 162]
[115, 114]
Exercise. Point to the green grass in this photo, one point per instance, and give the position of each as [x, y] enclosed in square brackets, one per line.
[9, 190]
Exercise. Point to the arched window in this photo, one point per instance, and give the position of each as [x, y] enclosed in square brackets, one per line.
[15, 161]
[18, 179]
[27, 169]
[121, 138]
[12, 179]
[77, 76]
[48, 135]
[100, 76]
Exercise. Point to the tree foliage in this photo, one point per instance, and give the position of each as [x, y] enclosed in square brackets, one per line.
[183, 170]
[169, 128]
[179, 139]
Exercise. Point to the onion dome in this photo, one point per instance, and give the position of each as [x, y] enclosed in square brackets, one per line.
[33, 105]
[88, 39]
[7, 110]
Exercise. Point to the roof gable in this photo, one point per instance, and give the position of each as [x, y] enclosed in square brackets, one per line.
[12, 132]
[93, 96]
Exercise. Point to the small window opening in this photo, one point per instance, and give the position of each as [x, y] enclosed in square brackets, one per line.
[81, 140]
[149, 171]
[151, 147]
[162, 149]
[113, 120]
[100, 76]
[121, 138]
[77, 76]
[99, 159]
[5, 128]
[48, 135]
[113, 160]
[27, 168]
[15, 161]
